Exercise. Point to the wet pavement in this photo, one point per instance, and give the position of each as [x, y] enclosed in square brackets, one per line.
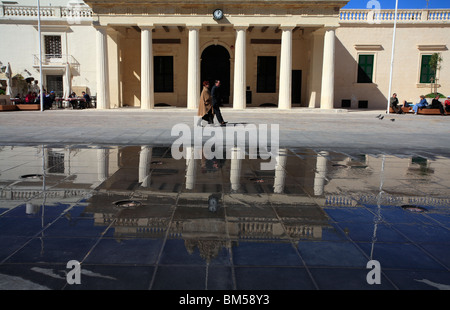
[136, 218]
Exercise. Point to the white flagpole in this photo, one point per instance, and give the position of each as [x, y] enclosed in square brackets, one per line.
[41, 94]
[392, 57]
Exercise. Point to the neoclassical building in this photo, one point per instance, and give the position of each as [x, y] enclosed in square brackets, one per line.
[285, 54]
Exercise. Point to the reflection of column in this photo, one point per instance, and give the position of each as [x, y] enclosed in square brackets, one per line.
[285, 91]
[103, 164]
[193, 91]
[239, 91]
[190, 168]
[145, 157]
[235, 171]
[102, 69]
[280, 171]
[327, 96]
[147, 93]
[321, 172]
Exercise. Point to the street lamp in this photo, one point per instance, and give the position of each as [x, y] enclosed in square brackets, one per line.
[41, 93]
[392, 57]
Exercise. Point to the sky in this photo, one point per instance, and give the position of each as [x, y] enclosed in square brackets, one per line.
[402, 4]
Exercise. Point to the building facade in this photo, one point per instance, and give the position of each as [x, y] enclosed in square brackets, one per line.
[284, 54]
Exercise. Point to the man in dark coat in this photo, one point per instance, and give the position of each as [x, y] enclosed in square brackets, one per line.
[436, 104]
[215, 94]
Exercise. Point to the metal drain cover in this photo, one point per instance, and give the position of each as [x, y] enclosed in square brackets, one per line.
[127, 204]
[31, 176]
[415, 209]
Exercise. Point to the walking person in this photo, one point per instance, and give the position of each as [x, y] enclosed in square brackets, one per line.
[205, 109]
[215, 93]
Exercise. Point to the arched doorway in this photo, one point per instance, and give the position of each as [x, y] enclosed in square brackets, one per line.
[215, 65]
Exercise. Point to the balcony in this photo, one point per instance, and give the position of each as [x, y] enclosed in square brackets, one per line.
[71, 13]
[54, 61]
[374, 16]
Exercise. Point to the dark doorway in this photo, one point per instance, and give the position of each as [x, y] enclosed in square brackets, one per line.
[216, 66]
[296, 86]
[55, 83]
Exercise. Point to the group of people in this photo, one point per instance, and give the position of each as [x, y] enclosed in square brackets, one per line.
[423, 103]
[33, 97]
[80, 104]
[50, 98]
[210, 104]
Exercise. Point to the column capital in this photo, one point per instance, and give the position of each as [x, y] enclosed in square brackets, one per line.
[287, 27]
[240, 27]
[146, 27]
[193, 26]
[321, 31]
[96, 24]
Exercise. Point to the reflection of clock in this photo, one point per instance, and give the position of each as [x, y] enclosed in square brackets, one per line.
[218, 14]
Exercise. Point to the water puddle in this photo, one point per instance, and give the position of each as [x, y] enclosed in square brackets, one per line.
[136, 218]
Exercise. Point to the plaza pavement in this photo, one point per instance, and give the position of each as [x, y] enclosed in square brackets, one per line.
[300, 127]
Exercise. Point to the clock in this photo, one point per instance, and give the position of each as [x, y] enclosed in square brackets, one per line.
[218, 14]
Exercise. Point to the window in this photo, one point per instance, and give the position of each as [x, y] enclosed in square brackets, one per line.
[267, 72]
[163, 74]
[53, 46]
[427, 74]
[365, 68]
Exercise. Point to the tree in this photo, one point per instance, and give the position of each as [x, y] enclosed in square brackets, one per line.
[435, 66]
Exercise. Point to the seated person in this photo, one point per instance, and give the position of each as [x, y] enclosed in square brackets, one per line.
[447, 104]
[394, 104]
[422, 104]
[30, 98]
[436, 104]
[87, 99]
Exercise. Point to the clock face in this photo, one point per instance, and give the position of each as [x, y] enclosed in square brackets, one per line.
[218, 14]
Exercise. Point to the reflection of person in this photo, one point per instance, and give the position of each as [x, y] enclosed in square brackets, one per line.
[216, 102]
[394, 104]
[436, 104]
[205, 109]
[423, 103]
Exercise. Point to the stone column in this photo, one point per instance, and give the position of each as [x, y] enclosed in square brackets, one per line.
[145, 158]
[103, 164]
[280, 172]
[239, 97]
[285, 88]
[327, 96]
[102, 69]
[235, 169]
[321, 173]
[315, 69]
[147, 87]
[190, 167]
[193, 90]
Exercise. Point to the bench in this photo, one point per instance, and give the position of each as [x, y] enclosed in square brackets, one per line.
[29, 106]
[404, 109]
[7, 107]
[427, 111]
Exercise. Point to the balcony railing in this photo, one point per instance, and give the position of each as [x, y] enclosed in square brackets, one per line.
[56, 60]
[47, 12]
[388, 16]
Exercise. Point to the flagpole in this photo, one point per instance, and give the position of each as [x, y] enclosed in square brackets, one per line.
[41, 94]
[392, 57]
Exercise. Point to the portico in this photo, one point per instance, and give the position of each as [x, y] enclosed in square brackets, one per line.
[281, 53]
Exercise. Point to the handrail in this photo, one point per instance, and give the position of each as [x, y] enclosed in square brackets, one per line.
[388, 16]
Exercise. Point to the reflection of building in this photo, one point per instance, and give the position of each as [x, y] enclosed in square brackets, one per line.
[282, 205]
[281, 53]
